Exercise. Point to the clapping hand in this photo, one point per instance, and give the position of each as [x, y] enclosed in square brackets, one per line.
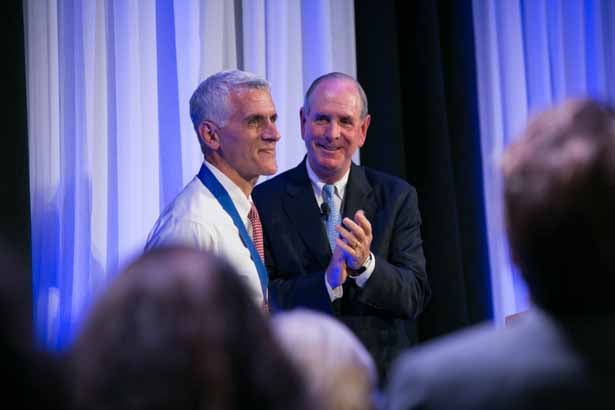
[336, 271]
[357, 239]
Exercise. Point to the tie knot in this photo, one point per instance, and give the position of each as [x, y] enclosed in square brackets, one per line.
[253, 212]
[328, 190]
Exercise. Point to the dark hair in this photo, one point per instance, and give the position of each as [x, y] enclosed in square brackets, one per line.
[34, 377]
[177, 330]
[559, 193]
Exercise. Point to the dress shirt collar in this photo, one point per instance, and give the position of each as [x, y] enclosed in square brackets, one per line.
[317, 184]
[241, 202]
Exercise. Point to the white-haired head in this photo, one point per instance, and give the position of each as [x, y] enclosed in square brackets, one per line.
[211, 100]
[337, 366]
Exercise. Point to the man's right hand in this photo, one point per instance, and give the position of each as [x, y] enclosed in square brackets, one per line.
[336, 272]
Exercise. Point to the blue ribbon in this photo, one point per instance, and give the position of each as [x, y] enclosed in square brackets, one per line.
[215, 187]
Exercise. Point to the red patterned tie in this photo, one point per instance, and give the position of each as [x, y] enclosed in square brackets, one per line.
[257, 231]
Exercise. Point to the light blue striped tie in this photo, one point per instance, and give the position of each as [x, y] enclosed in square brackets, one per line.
[334, 217]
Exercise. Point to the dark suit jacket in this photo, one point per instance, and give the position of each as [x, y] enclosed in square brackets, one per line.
[297, 254]
[538, 362]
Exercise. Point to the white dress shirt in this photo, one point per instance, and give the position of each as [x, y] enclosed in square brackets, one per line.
[338, 199]
[196, 218]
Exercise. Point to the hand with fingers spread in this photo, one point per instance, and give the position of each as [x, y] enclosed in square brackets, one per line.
[336, 272]
[357, 239]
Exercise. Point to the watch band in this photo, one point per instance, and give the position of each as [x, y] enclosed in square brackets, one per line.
[361, 269]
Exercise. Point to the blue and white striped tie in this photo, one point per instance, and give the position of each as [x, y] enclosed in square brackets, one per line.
[334, 217]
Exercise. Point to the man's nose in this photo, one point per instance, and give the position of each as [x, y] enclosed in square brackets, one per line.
[333, 131]
[271, 132]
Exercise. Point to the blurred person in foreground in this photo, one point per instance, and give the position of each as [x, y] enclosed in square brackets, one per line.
[338, 368]
[177, 330]
[33, 377]
[559, 198]
[235, 121]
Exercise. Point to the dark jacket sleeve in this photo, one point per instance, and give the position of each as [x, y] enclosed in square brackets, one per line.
[288, 290]
[399, 282]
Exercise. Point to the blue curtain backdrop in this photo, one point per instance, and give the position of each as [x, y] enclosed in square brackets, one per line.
[110, 137]
[111, 142]
[529, 55]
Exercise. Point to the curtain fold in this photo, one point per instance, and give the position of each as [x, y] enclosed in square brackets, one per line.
[424, 129]
[111, 141]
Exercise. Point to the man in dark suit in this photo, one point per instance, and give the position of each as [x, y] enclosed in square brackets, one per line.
[340, 238]
[559, 197]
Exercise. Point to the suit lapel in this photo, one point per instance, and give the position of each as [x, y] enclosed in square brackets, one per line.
[302, 210]
[359, 194]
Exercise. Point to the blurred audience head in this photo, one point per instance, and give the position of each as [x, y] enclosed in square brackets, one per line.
[339, 370]
[559, 193]
[34, 378]
[177, 330]
[17, 329]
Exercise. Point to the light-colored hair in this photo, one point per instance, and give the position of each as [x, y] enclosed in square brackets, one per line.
[336, 76]
[337, 367]
[211, 100]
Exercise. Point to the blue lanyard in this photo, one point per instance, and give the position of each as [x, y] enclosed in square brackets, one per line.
[215, 187]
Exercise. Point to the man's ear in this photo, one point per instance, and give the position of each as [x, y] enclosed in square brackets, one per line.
[302, 120]
[364, 126]
[209, 136]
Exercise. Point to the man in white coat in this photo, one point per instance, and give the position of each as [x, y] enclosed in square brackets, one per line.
[235, 121]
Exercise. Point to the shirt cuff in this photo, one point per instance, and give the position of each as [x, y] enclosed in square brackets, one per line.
[334, 293]
[361, 279]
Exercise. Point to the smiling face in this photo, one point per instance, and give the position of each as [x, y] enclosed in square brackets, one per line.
[332, 127]
[244, 148]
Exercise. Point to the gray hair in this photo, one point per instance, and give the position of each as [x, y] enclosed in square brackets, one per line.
[210, 101]
[338, 369]
[337, 76]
